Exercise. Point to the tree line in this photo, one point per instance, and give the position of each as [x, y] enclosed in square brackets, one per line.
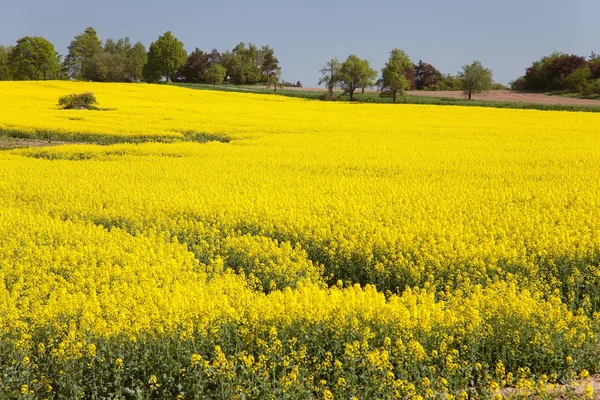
[88, 59]
[120, 60]
[399, 75]
[562, 72]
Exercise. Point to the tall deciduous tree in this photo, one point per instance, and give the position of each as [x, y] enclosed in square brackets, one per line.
[137, 57]
[4, 68]
[594, 64]
[249, 64]
[81, 61]
[270, 66]
[214, 57]
[165, 57]
[194, 68]
[394, 76]
[197, 63]
[109, 66]
[33, 58]
[356, 73]
[215, 74]
[426, 75]
[474, 78]
[243, 64]
[122, 61]
[330, 75]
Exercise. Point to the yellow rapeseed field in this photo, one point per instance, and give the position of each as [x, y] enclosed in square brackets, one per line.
[203, 244]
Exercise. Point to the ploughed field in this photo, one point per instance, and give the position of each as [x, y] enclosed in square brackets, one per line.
[200, 244]
[512, 96]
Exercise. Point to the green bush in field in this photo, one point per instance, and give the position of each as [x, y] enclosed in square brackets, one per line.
[80, 101]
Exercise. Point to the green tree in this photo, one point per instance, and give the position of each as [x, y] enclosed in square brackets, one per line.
[109, 67]
[273, 79]
[121, 62]
[81, 61]
[4, 68]
[594, 64]
[330, 75]
[215, 74]
[253, 64]
[194, 68]
[234, 66]
[165, 57]
[578, 79]
[214, 57]
[356, 73]
[474, 78]
[111, 47]
[426, 75]
[245, 65]
[137, 57]
[270, 66]
[394, 78]
[33, 58]
[249, 64]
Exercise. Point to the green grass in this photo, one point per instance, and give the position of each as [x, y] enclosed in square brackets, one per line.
[577, 95]
[376, 98]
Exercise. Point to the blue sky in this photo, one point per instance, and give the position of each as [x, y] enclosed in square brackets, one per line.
[505, 36]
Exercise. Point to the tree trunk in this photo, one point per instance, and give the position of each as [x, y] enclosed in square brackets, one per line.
[351, 95]
[394, 96]
[363, 89]
[469, 95]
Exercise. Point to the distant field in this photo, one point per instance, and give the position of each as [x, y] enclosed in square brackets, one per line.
[512, 96]
[495, 98]
[492, 95]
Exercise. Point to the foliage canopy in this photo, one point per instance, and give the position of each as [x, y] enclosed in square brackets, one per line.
[475, 78]
[33, 58]
[356, 73]
[395, 74]
[165, 57]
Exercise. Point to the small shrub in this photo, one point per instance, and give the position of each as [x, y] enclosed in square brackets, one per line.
[498, 86]
[81, 101]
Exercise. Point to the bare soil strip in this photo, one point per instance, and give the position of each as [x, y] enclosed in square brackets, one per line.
[8, 143]
[516, 97]
[573, 391]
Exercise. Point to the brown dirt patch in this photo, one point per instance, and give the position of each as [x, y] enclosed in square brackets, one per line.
[572, 391]
[8, 143]
[516, 97]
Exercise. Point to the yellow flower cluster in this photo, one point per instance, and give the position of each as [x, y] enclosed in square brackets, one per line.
[326, 250]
